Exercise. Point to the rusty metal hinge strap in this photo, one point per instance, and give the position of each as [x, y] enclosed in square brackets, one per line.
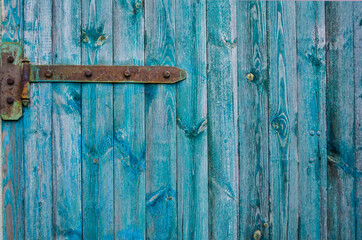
[16, 73]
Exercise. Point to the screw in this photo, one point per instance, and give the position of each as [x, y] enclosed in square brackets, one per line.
[10, 100]
[127, 73]
[250, 77]
[11, 81]
[88, 73]
[166, 74]
[257, 235]
[48, 73]
[95, 161]
[266, 225]
[318, 133]
[11, 59]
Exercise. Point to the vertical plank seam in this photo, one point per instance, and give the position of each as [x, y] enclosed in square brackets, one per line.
[355, 176]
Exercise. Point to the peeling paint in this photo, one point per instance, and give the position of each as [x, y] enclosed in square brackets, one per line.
[94, 37]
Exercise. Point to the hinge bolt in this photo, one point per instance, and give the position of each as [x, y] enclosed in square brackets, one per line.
[10, 100]
[166, 74]
[257, 235]
[88, 73]
[11, 59]
[10, 81]
[127, 73]
[250, 77]
[48, 74]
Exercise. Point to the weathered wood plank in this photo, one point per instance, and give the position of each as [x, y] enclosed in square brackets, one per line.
[38, 124]
[253, 119]
[66, 117]
[357, 53]
[97, 124]
[340, 123]
[160, 113]
[283, 101]
[129, 120]
[311, 120]
[192, 174]
[222, 117]
[12, 141]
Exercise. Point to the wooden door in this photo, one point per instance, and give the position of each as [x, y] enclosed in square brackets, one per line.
[261, 141]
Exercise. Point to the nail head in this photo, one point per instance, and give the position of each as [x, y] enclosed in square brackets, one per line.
[11, 59]
[127, 73]
[10, 81]
[10, 100]
[166, 74]
[88, 73]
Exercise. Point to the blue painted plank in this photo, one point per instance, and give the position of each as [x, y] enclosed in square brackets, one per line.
[129, 128]
[340, 111]
[222, 117]
[357, 54]
[38, 124]
[192, 157]
[66, 117]
[253, 119]
[12, 141]
[283, 127]
[97, 124]
[160, 114]
[312, 119]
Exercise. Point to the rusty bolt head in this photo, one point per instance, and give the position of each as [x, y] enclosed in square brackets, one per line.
[166, 74]
[127, 73]
[250, 77]
[48, 73]
[10, 81]
[95, 161]
[10, 100]
[11, 59]
[88, 73]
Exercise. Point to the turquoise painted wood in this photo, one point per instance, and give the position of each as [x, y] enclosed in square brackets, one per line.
[253, 119]
[66, 124]
[97, 124]
[311, 74]
[191, 108]
[38, 165]
[160, 120]
[129, 124]
[221, 155]
[341, 134]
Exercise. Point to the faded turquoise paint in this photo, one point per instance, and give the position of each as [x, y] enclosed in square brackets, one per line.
[66, 124]
[97, 124]
[216, 156]
[253, 118]
[160, 120]
[38, 165]
[129, 129]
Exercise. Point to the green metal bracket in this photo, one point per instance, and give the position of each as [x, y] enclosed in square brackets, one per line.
[16, 73]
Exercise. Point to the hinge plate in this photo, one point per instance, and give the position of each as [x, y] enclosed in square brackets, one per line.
[16, 73]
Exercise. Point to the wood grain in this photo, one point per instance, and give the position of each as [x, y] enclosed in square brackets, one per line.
[357, 54]
[97, 124]
[340, 115]
[192, 157]
[160, 114]
[12, 140]
[223, 167]
[283, 127]
[253, 119]
[129, 120]
[311, 120]
[38, 125]
[66, 117]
